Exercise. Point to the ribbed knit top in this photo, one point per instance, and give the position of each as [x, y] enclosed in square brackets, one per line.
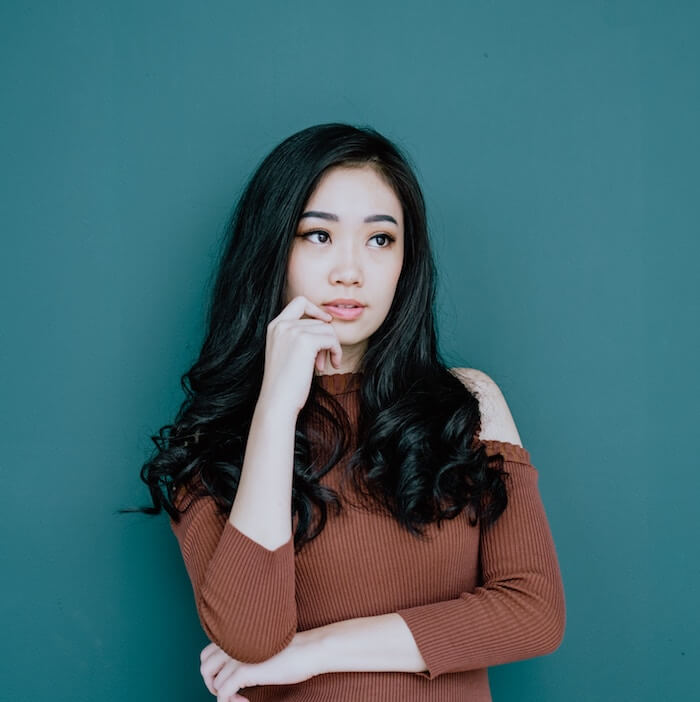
[471, 597]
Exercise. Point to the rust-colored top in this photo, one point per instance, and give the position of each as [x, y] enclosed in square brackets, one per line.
[471, 597]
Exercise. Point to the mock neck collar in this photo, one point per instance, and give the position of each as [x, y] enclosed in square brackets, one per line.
[340, 383]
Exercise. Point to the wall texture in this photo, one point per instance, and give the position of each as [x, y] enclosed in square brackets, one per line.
[557, 143]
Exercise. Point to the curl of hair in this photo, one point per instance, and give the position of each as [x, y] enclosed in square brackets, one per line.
[417, 453]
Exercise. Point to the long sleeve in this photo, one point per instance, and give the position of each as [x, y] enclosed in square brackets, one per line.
[518, 610]
[244, 592]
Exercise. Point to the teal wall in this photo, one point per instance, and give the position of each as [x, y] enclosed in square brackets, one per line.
[558, 146]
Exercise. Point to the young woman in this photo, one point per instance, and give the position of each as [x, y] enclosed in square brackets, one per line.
[358, 521]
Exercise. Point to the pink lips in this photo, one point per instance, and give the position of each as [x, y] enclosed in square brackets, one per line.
[344, 312]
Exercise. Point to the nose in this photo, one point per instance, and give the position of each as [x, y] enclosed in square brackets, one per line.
[347, 269]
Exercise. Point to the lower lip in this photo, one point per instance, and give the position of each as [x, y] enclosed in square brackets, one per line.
[344, 312]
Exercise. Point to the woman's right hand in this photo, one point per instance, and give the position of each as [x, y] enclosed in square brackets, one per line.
[293, 348]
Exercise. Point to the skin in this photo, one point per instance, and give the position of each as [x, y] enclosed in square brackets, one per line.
[349, 258]
[349, 261]
[339, 257]
[380, 643]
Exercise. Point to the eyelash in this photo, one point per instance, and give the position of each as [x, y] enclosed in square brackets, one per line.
[390, 238]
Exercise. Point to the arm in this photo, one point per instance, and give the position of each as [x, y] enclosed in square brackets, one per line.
[377, 644]
[519, 610]
[517, 613]
[242, 568]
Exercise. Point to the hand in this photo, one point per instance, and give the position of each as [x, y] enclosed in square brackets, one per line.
[224, 675]
[293, 347]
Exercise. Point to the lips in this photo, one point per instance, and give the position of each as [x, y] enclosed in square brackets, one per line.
[343, 302]
[339, 311]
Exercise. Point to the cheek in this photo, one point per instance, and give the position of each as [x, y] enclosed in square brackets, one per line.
[293, 276]
[397, 273]
[295, 283]
[395, 281]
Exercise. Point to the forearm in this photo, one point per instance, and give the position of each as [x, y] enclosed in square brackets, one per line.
[382, 643]
[262, 506]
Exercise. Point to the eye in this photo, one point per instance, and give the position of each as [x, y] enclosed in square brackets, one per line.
[317, 231]
[388, 239]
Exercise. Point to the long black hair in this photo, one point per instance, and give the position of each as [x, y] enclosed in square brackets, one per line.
[417, 456]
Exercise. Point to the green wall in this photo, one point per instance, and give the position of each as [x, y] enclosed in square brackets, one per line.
[558, 146]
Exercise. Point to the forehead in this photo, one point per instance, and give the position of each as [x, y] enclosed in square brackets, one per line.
[355, 193]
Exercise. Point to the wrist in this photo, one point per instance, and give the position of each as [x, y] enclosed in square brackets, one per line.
[310, 643]
[271, 412]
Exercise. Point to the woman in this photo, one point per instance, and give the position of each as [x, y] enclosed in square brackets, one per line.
[319, 384]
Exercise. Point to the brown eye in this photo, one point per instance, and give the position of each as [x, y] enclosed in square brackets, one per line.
[317, 231]
[389, 239]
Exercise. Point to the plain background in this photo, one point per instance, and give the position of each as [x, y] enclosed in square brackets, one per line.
[557, 144]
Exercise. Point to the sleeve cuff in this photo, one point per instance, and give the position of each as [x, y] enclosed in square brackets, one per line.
[432, 635]
[248, 599]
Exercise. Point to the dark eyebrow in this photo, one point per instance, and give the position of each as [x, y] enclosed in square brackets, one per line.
[334, 218]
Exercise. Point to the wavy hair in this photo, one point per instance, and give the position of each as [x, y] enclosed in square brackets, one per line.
[417, 452]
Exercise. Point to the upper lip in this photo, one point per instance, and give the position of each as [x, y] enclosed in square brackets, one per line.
[344, 301]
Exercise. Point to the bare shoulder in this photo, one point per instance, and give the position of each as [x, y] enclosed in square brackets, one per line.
[497, 422]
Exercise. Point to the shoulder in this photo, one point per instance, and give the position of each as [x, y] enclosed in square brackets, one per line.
[497, 422]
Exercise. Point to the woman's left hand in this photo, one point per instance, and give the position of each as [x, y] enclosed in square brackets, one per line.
[224, 675]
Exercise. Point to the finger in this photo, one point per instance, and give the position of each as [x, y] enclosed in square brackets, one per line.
[230, 698]
[308, 321]
[214, 663]
[228, 689]
[328, 342]
[209, 682]
[219, 681]
[337, 354]
[318, 326]
[229, 693]
[302, 305]
[211, 667]
[335, 349]
[332, 351]
[207, 651]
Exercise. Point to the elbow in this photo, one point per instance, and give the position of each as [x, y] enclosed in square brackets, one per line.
[549, 625]
[541, 626]
[250, 641]
[550, 633]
